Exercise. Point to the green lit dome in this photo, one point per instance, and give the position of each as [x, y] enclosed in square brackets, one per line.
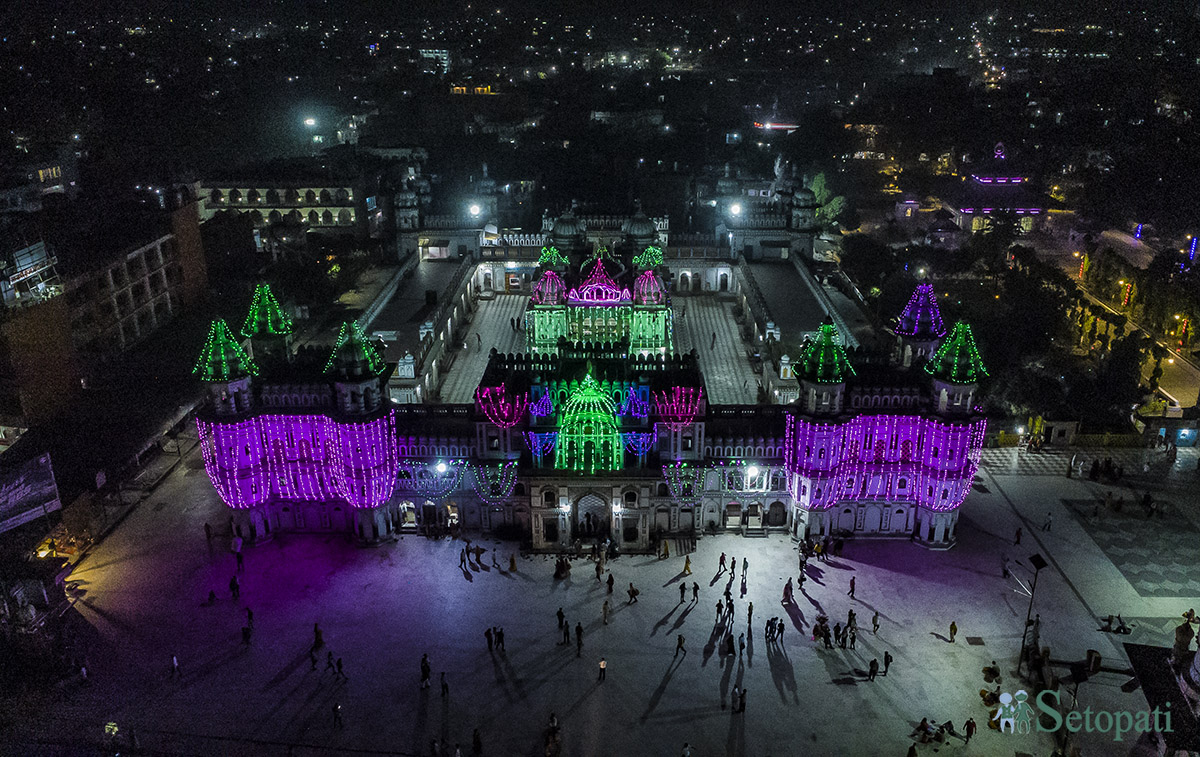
[588, 438]
[823, 359]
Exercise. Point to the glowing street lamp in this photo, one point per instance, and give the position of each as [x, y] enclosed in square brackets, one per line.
[736, 209]
[441, 467]
[310, 122]
[475, 210]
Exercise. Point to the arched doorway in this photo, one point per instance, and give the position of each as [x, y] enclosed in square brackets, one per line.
[733, 515]
[687, 520]
[776, 514]
[685, 282]
[591, 516]
[723, 282]
[873, 521]
[695, 284]
[662, 520]
[846, 520]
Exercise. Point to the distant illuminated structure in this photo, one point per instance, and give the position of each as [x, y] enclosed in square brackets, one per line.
[599, 310]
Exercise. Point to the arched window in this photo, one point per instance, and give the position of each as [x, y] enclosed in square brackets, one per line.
[235, 196]
[548, 498]
[291, 196]
[313, 218]
[345, 217]
[630, 498]
[326, 198]
[216, 196]
[327, 218]
[272, 197]
[310, 197]
[343, 196]
[253, 196]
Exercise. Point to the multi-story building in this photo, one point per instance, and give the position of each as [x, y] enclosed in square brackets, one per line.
[595, 440]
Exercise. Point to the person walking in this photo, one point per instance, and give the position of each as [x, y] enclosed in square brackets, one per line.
[968, 730]
[633, 593]
[679, 647]
[695, 592]
[687, 565]
[887, 661]
[1017, 538]
[875, 623]
[749, 613]
[745, 566]
[500, 639]
[603, 669]
[235, 588]
[873, 669]
[426, 669]
[329, 665]
[720, 610]
[175, 673]
[445, 686]
[853, 636]
[713, 346]
[337, 715]
[1048, 522]
[735, 699]
[338, 673]
[604, 612]
[599, 572]
[566, 629]
[682, 593]
[561, 617]
[741, 643]
[610, 583]
[851, 592]
[487, 634]
[953, 631]
[742, 706]
[732, 565]
[722, 570]
[687, 750]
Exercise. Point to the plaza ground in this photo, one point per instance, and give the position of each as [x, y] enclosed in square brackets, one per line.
[141, 598]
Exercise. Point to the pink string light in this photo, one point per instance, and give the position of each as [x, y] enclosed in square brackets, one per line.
[678, 407]
[501, 409]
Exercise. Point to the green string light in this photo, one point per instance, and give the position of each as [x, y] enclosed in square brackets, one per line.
[823, 360]
[222, 358]
[589, 439]
[957, 359]
[552, 257]
[266, 316]
[351, 339]
[651, 257]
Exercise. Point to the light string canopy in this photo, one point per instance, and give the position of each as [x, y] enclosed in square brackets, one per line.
[634, 406]
[551, 256]
[957, 359]
[494, 483]
[540, 443]
[501, 408]
[438, 483]
[921, 317]
[677, 408]
[639, 442]
[543, 408]
[685, 482]
[650, 257]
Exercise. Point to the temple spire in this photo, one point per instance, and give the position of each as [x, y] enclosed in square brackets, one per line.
[957, 361]
[222, 358]
[921, 319]
[266, 316]
[823, 359]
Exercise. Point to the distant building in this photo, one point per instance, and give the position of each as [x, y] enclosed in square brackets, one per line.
[995, 186]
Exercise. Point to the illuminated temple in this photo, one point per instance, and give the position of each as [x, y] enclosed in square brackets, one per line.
[599, 429]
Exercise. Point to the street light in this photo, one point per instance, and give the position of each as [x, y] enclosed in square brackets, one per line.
[1038, 562]
[475, 210]
[736, 209]
[310, 122]
[441, 467]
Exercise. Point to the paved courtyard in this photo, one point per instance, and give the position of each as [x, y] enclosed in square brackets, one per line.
[141, 598]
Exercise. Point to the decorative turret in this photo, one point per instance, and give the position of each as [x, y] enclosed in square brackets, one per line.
[648, 290]
[549, 290]
[822, 369]
[267, 326]
[920, 325]
[227, 369]
[956, 369]
[639, 230]
[356, 367]
[568, 233]
[804, 210]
